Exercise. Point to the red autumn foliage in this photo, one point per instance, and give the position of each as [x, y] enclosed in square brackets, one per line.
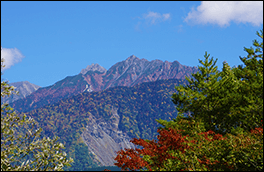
[159, 151]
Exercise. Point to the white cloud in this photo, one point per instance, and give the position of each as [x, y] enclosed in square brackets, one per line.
[166, 16]
[154, 17]
[223, 12]
[11, 56]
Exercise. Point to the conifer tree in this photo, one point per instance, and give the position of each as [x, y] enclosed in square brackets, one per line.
[227, 99]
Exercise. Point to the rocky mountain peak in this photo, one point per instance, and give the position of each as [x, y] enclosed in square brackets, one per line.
[135, 61]
[131, 59]
[93, 67]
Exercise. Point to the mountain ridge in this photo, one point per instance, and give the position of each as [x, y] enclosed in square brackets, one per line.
[129, 72]
[24, 88]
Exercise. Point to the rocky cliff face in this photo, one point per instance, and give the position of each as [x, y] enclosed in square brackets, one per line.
[24, 88]
[129, 72]
[104, 139]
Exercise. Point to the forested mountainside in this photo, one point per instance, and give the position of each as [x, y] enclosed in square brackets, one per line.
[138, 107]
[129, 72]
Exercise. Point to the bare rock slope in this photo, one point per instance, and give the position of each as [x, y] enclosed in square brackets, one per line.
[104, 139]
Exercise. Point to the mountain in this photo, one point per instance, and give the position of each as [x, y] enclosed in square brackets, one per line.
[93, 67]
[129, 72]
[106, 120]
[134, 70]
[25, 88]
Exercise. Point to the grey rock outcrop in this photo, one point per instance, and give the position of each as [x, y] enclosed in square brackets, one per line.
[104, 139]
[88, 88]
[93, 67]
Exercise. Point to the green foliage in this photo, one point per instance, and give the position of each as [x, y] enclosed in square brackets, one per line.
[22, 147]
[251, 85]
[82, 160]
[227, 99]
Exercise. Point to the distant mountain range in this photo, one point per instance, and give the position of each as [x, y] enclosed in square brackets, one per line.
[129, 72]
[25, 88]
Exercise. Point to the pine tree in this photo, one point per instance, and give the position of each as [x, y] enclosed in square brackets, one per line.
[227, 99]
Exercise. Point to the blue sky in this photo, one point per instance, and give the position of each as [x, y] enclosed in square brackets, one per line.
[43, 42]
